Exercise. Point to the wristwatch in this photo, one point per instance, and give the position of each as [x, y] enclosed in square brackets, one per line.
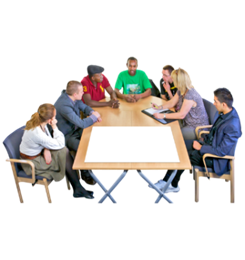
[164, 115]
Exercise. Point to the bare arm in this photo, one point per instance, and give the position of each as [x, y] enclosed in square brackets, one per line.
[111, 92]
[147, 93]
[128, 98]
[92, 103]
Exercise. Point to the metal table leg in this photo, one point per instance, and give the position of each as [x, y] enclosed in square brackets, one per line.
[161, 193]
[108, 192]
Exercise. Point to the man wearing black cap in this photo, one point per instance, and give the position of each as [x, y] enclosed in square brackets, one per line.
[94, 86]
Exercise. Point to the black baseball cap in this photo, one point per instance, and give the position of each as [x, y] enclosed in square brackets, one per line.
[94, 68]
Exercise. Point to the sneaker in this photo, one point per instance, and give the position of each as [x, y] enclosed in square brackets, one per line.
[160, 184]
[172, 189]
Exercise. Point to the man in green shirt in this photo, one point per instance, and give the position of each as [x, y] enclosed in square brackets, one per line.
[135, 83]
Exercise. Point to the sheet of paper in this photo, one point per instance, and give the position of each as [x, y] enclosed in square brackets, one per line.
[153, 111]
[131, 144]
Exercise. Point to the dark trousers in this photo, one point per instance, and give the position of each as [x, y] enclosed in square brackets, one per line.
[195, 158]
[72, 142]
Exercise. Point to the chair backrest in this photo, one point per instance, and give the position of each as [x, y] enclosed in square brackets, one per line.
[210, 109]
[154, 91]
[12, 145]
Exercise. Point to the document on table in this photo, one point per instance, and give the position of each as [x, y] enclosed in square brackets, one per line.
[131, 144]
[152, 111]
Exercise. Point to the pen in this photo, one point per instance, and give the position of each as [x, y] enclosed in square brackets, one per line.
[155, 105]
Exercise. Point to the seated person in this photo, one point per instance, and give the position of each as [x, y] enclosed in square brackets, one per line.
[189, 105]
[134, 82]
[94, 86]
[49, 155]
[220, 141]
[167, 87]
[68, 107]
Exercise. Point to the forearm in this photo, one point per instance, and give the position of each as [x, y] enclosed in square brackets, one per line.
[93, 103]
[147, 93]
[113, 95]
[119, 94]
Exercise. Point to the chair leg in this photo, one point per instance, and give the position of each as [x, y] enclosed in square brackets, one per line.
[78, 174]
[47, 190]
[232, 180]
[196, 186]
[17, 183]
[190, 171]
[68, 184]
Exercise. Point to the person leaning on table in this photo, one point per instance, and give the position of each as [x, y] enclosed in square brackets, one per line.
[190, 107]
[94, 86]
[49, 154]
[220, 141]
[135, 83]
[68, 107]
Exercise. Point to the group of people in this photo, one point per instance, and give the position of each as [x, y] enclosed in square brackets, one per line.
[54, 130]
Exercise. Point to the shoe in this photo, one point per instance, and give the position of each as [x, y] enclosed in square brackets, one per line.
[84, 195]
[160, 184]
[88, 180]
[172, 189]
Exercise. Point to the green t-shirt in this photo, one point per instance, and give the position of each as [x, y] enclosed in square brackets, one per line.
[136, 84]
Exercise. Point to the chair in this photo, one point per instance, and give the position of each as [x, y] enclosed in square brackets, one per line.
[211, 111]
[208, 172]
[12, 144]
[154, 91]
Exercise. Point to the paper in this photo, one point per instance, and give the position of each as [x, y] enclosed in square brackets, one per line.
[153, 111]
[131, 144]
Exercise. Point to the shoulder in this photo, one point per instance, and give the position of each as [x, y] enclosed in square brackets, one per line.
[141, 73]
[123, 73]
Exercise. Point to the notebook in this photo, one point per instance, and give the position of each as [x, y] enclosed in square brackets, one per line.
[150, 111]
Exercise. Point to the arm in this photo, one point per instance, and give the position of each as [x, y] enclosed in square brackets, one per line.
[128, 98]
[169, 104]
[147, 86]
[164, 97]
[147, 93]
[92, 103]
[111, 92]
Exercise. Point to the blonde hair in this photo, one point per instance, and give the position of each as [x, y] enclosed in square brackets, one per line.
[44, 113]
[72, 87]
[181, 80]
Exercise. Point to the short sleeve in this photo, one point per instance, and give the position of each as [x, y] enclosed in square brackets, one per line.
[146, 82]
[190, 95]
[119, 83]
[106, 82]
[85, 86]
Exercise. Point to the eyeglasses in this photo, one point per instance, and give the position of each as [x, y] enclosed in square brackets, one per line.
[165, 75]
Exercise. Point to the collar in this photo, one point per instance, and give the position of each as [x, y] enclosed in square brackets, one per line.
[73, 102]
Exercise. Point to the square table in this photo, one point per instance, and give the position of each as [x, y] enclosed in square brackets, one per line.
[130, 115]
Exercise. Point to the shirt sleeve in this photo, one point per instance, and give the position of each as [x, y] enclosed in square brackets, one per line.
[106, 82]
[146, 82]
[119, 82]
[86, 87]
[55, 143]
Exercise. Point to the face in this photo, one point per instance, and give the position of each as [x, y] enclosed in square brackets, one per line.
[97, 77]
[132, 67]
[166, 76]
[219, 106]
[79, 94]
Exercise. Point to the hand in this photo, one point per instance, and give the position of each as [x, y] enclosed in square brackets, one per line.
[53, 122]
[158, 115]
[166, 86]
[114, 103]
[96, 114]
[129, 98]
[47, 156]
[155, 106]
[137, 97]
[197, 146]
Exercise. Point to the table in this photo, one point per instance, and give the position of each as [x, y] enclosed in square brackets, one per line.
[129, 114]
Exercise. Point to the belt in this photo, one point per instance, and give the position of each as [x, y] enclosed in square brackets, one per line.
[24, 156]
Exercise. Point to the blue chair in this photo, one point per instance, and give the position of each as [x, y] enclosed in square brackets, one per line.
[12, 144]
[211, 111]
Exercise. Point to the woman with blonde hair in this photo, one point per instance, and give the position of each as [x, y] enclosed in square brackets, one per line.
[188, 103]
[190, 109]
[46, 149]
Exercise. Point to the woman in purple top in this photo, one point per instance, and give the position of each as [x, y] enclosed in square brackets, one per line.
[189, 105]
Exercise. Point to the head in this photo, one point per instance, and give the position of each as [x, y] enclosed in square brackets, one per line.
[45, 113]
[75, 90]
[166, 73]
[181, 80]
[132, 64]
[223, 99]
[98, 77]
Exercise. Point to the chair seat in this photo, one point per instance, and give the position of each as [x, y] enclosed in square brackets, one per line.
[22, 174]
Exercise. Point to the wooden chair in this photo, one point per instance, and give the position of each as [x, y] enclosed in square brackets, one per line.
[12, 144]
[209, 172]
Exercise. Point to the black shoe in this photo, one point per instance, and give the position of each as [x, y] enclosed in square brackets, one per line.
[86, 195]
[85, 175]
